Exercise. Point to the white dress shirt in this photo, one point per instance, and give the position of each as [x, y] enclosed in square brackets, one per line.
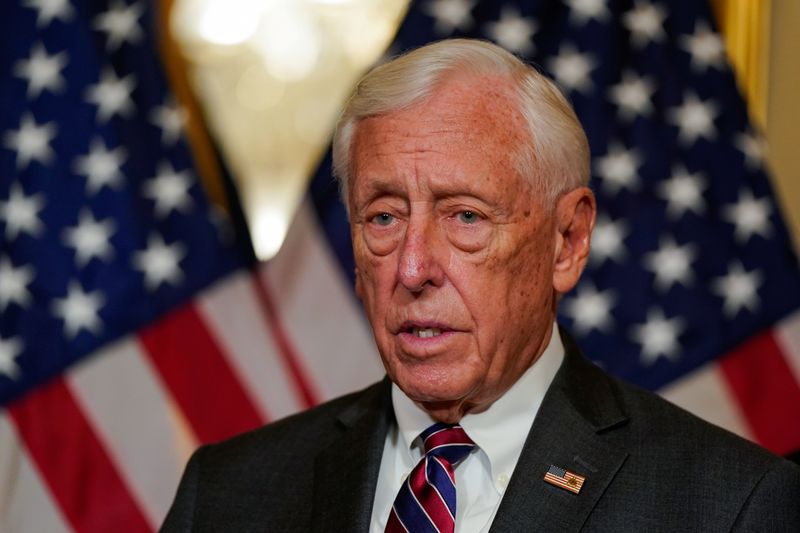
[499, 432]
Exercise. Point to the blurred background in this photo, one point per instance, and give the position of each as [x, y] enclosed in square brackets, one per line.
[272, 75]
[175, 265]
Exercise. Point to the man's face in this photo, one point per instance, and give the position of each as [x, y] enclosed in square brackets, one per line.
[455, 253]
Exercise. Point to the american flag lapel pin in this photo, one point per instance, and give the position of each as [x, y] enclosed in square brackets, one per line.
[564, 479]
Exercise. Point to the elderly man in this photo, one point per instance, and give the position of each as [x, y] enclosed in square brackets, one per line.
[464, 172]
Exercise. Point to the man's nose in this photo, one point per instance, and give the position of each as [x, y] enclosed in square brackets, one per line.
[419, 256]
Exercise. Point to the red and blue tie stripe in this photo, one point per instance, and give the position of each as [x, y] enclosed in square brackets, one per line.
[426, 501]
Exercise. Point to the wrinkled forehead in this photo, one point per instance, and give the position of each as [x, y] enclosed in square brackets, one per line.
[462, 141]
[483, 105]
[462, 112]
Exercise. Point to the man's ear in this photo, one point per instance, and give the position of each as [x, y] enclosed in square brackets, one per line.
[575, 214]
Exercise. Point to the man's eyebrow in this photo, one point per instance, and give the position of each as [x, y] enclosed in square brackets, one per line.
[376, 187]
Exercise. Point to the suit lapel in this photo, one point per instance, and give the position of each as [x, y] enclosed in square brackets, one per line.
[346, 471]
[574, 430]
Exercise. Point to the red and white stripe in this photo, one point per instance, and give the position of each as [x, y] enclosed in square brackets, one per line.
[104, 446]
[432, 486]
[424, 490]
[753, 391]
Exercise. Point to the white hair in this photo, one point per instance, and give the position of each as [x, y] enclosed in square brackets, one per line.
[555, 160]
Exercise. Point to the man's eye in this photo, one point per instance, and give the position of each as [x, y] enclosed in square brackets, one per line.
[384, 219]
[468, 217]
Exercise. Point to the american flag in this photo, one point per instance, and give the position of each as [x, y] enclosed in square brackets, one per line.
[130, 329]
[564, 478]
[130, 333]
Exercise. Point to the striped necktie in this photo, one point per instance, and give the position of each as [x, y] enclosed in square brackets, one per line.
[427, 499]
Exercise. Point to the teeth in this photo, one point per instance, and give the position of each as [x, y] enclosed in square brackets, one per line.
[425, 333]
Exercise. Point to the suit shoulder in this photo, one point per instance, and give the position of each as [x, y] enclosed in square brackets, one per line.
[262, 479]
[308, 430]
[688, 439]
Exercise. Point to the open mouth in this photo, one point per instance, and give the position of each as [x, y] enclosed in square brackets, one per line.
[425, 333]
[424, 330]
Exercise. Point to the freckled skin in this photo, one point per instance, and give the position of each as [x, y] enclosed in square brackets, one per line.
[445, 230]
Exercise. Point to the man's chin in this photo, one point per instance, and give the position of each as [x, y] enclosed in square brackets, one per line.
[445, 402]
[447, 411]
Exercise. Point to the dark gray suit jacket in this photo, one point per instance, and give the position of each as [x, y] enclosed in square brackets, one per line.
[649, 466]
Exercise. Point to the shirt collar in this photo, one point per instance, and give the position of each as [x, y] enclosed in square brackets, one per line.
[500, 431]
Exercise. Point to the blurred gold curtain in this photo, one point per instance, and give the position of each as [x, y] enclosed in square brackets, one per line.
[745, 27]
[200, 143]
